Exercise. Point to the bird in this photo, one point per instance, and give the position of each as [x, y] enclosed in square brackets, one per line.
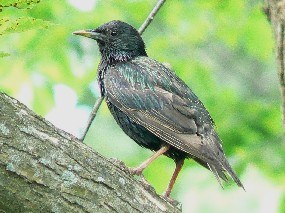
[153, 106]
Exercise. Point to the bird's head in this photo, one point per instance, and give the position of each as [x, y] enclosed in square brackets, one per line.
[117, 40]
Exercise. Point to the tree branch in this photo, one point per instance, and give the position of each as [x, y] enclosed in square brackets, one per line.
[151, 16]
[275, 11]
[44, 169]
[92, 116]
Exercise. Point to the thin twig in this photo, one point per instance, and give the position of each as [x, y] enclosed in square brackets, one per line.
[151, 16]
[92, 116]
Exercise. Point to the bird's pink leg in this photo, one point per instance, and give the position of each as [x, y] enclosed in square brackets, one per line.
[138, 170]
[178, 167]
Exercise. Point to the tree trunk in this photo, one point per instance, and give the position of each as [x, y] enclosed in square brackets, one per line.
[275, 11]
[44, 169]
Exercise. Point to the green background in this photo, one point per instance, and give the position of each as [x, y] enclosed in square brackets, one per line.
[224, 51]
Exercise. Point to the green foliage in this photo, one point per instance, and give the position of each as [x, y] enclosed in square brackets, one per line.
[19, 4]
[21, 24]
[223, 50]
[13, 23]
[3, 54]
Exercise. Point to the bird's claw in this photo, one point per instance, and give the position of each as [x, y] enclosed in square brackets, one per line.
[167, 198]
[136, 171]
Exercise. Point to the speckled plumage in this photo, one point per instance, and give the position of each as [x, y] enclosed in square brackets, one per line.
[152, 104]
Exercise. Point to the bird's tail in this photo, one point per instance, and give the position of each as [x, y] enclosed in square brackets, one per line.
[220, 165]
[233, 175]
[219, 172]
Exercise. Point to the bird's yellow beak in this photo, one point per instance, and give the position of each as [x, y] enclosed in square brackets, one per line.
[85, 33]
[91, 34]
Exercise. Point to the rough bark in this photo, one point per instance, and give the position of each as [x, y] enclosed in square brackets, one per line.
[44, 169]
[275, 11]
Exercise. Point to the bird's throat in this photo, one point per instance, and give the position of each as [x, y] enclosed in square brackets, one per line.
[114, 56]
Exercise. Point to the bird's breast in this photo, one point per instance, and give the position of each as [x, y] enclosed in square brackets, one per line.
[138, 133]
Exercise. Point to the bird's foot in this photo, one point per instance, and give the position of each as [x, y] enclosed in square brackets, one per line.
[166, 197]
[120, 164]
[136, 171]
[170, 200]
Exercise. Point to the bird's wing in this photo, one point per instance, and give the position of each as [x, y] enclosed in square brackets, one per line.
[154, 97]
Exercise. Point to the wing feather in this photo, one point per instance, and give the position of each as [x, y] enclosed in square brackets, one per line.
[153, 96]
[164, 108]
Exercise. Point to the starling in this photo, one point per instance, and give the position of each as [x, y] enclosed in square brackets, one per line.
[153, 106]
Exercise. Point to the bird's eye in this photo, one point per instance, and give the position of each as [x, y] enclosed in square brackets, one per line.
[114, 33]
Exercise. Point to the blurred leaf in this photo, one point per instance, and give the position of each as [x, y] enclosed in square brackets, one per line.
[3, 54]
[20, 4]
[8, 25]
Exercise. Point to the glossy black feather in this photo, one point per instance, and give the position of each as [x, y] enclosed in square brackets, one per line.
[153, 105]
[167, 108]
